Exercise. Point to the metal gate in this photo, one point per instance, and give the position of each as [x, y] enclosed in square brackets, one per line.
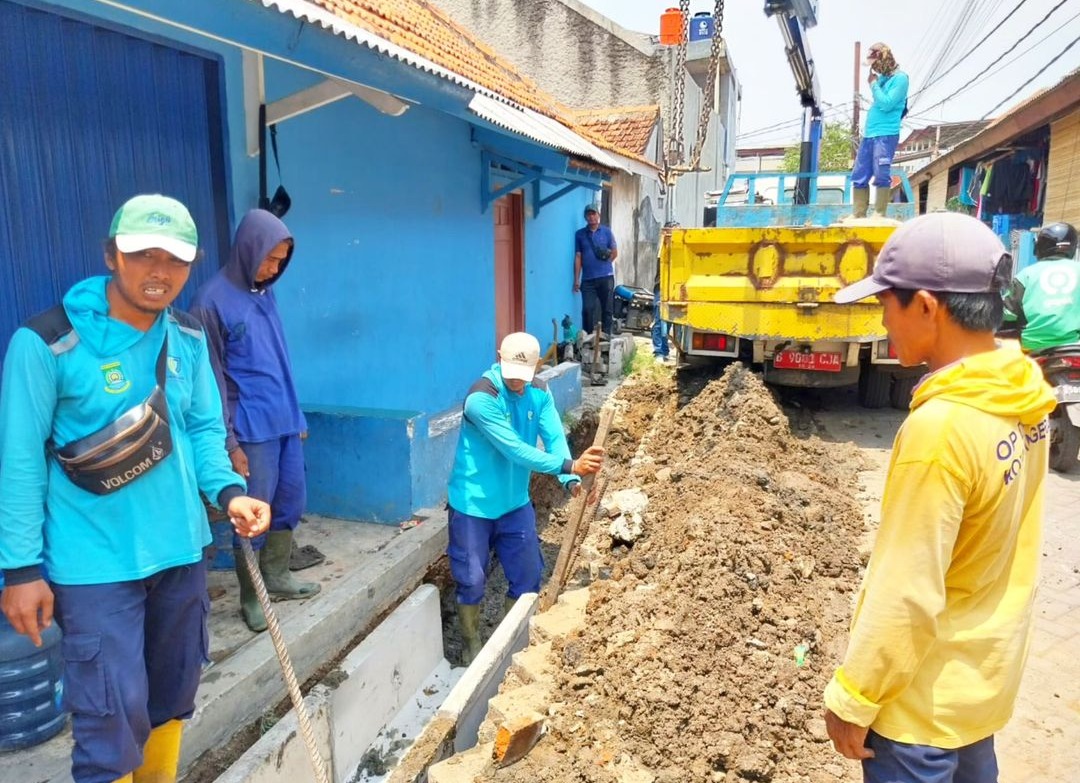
[89, 117]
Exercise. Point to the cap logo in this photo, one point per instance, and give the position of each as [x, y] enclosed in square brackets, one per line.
[158, 219]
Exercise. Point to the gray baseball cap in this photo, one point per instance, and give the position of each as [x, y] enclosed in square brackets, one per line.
[945, 252]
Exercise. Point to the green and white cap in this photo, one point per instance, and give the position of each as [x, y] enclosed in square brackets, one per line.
[153, 220]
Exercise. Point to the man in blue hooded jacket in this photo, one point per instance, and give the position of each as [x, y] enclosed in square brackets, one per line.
[506, 412]
[122, 548]
[263, 420]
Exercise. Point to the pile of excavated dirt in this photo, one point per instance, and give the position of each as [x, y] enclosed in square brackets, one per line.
[708, 642]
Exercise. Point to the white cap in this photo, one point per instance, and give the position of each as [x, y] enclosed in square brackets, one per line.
[518, 356]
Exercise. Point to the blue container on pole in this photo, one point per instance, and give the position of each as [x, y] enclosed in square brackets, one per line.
[31, 687]
[702, 26]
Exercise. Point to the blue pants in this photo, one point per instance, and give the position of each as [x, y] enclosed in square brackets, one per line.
[512, 536]
[895, 762]
[597, 298]
[133, 654]
[659, 328]
[278, 477]
[874, 159]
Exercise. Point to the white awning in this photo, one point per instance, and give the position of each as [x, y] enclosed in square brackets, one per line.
[536, 126]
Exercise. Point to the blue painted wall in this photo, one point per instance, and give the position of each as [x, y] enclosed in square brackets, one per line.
[389, 302]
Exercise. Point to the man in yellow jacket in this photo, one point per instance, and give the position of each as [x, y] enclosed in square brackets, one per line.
[941, 628]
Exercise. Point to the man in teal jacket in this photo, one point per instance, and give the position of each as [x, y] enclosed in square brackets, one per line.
[506, 412]
[121, 548]
[889, 86]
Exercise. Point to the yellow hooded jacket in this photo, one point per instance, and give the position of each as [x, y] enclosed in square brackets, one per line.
[941, 628]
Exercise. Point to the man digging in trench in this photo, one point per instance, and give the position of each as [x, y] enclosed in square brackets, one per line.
[941, 627]
[506, 411]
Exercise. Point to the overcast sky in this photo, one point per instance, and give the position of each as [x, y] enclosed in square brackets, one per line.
[918, 32]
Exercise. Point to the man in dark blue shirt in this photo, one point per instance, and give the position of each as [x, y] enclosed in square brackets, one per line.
[595, 252]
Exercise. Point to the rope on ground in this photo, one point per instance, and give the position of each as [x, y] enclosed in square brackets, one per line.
[287, 670]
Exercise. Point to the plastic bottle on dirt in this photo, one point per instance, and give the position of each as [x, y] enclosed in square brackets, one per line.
[30, 687]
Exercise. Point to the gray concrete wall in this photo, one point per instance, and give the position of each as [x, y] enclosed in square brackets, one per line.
[582, 58]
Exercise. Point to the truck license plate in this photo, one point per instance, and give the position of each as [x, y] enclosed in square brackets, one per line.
[817, 362]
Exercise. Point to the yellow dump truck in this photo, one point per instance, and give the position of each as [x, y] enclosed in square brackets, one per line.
[764, 295]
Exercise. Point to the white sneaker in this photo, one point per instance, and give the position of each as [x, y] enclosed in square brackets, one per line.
[660, 359]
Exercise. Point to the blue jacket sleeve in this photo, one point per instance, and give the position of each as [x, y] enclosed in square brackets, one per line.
[213, 469]
[554, 437]
[215, 342]
[483, 411]
[27, 405]
[893, 95]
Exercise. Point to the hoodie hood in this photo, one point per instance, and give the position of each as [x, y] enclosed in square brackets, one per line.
[259, 232]
[87, 307]
[1004, 382]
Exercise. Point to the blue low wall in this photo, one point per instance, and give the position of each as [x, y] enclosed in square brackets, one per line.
[375, 465]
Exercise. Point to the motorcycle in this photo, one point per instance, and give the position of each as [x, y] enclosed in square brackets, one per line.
[633, 309]
[1061, 368]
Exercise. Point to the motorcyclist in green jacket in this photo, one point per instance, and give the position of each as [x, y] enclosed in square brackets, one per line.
[1044, 299]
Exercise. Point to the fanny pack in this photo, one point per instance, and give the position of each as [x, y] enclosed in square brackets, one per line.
[131, 446]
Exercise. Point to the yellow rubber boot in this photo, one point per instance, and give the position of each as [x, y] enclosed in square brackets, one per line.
[161, 755]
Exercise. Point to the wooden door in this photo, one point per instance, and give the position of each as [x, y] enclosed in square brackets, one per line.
[509, 266]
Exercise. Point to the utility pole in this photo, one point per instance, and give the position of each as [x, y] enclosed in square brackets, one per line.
[855, 107]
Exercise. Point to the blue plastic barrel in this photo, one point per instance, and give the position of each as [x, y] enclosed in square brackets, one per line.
[31, 687]
[702, 26]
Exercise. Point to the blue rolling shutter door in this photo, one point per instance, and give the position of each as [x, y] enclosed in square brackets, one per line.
[90, 117]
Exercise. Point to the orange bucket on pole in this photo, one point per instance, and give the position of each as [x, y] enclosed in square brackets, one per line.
[671, 27]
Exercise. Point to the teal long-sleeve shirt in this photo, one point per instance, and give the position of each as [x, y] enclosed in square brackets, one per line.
[496, 452]
[155, 522]
[890, 97]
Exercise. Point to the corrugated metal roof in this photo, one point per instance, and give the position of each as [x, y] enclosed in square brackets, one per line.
[537, 127]
[486, 103]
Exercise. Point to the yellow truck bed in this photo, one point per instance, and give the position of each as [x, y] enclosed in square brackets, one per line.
[764, 295]
[771, 283]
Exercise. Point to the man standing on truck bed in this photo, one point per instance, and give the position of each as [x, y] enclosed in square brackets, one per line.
[941, 626]
[595, 252]
[889, 86]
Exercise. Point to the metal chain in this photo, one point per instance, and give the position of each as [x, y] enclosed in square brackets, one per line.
[297, 698]
[676, 153]
[709, 97]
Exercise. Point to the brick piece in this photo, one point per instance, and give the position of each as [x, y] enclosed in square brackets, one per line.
[515, 738]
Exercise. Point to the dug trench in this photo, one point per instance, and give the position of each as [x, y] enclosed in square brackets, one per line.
[709, 638]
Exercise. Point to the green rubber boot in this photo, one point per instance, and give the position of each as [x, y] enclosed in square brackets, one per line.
[860, 199]
[508, 604]
[881, 200]
[250, 609]
[469, 618]
[274, 564]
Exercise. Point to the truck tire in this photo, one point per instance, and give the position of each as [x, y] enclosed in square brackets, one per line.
[874, 387]
[900, 393]
[1064, 443]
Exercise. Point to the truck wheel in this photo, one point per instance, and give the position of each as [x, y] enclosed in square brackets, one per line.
[1064, 442]
[900, 394]
[874, 386]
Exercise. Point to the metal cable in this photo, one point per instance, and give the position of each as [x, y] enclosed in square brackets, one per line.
[982, 75]
[1040, 72]
[287, 670]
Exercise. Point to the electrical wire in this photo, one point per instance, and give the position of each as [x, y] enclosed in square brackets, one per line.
[914, 98]
[834, 111]
[980, 76]
[1039, 73]
[924, 113]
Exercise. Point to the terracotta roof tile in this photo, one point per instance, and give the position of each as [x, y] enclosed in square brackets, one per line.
[628, 127]
[424, 29]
